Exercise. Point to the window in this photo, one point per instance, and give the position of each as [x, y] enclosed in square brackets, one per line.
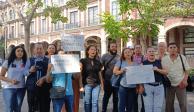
[188, 35]
[2, 17]
[74, 17]
[10, 14]
[115, 10]
[43, 26]
[58, 26]
[93, 15]
[5, 16]
[12, 32]
[32, 28]
[46, 2]
[189, 51]
[154, 41]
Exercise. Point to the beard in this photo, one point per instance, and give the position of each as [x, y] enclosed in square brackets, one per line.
[113, 52]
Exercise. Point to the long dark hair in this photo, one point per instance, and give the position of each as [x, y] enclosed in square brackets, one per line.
[12, 55]
[88, 48]
[122, 54]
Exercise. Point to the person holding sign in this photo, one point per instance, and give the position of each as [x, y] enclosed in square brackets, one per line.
[154, 92]
[91, 79]
[127, 92]
[37, 88]
[62, 89]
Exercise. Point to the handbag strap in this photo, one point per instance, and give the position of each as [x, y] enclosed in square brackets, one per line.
[120, 65]
[105, 66]
[182, 63]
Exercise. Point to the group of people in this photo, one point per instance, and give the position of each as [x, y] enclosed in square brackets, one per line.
[63, 89]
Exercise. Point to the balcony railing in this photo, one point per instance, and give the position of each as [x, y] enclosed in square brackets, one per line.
[71, 25]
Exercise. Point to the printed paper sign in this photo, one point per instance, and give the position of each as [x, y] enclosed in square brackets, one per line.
[72, 42]
[140, 74]
[68, 63]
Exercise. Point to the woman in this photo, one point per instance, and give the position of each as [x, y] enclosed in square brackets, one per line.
[51, 50]
[127, 92]
[91, 79]
[62, 89]
[154, 92]
[13, 84]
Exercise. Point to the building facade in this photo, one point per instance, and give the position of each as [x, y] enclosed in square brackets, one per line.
[87, 23]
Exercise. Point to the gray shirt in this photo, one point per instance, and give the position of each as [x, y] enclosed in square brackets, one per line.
[109, 68]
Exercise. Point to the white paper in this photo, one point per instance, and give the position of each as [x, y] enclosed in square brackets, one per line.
[140, 74]
[68, 63]
[72, 42]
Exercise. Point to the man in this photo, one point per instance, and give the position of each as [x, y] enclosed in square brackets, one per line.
[178, 78]
[37, 89]
[108, 60]
[161, 50]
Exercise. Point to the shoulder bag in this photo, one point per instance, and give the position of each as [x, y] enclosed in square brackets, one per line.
[189, 88]
[115, 80]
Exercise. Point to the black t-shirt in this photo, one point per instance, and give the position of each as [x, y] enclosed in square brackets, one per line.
[90, 73]
[156, 63]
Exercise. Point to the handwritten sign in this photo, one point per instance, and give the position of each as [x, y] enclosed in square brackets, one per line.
[68, 63]
[72, 42]
[140, 74]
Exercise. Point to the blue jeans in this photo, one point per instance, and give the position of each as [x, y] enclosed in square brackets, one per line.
[91, 98]
[153, 98]
[13, 99]
[126, 99]
[58, 103]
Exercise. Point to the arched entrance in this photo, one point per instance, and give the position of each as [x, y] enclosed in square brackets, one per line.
[183, 36]
[94, 40]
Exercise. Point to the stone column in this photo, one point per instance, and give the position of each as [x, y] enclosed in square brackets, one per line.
[103, 42]
[162, 34]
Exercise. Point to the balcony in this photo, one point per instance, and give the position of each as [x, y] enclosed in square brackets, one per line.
[72, 25]
[21, 34]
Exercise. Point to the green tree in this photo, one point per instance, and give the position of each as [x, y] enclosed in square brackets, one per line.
[151, 14]
[54, 11]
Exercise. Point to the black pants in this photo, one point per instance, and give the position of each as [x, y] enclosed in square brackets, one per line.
[39, 100]
[108, 90]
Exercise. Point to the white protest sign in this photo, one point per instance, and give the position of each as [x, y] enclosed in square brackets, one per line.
[140, 74]
[72, 42]
[68, 63]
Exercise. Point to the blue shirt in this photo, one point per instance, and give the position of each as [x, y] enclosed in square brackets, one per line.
[58, 80]
[123, 79]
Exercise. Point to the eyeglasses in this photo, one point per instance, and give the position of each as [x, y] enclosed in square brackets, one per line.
[173, 47]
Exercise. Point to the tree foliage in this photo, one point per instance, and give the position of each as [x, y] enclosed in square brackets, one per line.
[150, 14]
[54, 11]
[81, 4]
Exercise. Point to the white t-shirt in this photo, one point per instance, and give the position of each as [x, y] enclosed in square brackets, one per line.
[16, 71]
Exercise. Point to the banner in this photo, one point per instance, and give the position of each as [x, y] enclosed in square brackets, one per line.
[140, 74]
[72, 42]
[67, 63]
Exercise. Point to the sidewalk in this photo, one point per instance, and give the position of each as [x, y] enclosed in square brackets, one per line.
[190, 100]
